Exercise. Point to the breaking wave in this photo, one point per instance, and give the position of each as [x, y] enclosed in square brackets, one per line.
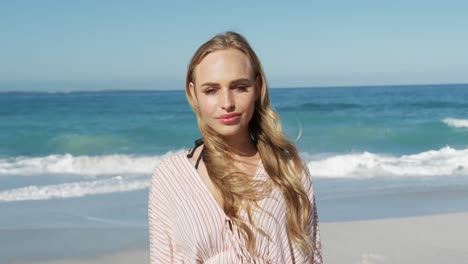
[453, 122]
[121, 173]
[446, 161]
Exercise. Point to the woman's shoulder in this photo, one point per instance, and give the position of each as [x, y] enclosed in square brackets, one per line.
[169, 167]
[170, 162]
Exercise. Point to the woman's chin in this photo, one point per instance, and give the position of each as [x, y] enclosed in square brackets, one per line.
[230, 132]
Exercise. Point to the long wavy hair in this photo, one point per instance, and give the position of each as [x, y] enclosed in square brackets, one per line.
[279, 156]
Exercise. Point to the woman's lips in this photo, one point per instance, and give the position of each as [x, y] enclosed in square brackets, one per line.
[229, 119]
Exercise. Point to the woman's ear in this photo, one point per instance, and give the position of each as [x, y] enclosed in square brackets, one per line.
[258, 86]
[192, 91]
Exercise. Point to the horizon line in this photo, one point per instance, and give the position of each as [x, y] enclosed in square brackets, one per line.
[278, 87]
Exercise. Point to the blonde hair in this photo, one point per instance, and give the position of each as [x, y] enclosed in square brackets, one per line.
[279, 156]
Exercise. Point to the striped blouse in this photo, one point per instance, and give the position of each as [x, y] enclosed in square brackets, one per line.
[186, 224]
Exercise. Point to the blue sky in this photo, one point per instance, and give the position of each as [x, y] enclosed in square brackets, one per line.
[147, 44]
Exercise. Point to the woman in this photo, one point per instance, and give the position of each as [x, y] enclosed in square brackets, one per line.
[242, 195]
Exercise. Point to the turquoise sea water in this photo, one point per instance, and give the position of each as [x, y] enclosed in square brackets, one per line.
[75, 166]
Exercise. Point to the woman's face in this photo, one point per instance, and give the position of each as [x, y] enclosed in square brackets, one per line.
[225, 91]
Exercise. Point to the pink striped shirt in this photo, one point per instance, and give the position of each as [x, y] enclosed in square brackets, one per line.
[187, 225]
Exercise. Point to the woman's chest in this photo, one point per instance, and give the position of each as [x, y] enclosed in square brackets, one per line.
[203, 229]
[198, 221]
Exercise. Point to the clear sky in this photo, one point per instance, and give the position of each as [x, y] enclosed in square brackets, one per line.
[92, 44]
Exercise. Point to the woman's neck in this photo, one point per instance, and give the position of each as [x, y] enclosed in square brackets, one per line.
[242, 147]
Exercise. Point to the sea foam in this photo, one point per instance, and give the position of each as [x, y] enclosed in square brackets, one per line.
[121, 173]
[74, 189]
[80, 165]
[446, 161]
[453, 122]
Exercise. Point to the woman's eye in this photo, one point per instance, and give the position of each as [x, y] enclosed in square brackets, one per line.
[210, 91]
[241, 88]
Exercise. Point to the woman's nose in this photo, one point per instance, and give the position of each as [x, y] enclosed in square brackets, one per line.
[227, 101]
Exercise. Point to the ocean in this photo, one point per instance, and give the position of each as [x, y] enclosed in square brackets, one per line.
[75, 166]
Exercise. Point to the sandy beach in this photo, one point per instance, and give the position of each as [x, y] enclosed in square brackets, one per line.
[426, 239]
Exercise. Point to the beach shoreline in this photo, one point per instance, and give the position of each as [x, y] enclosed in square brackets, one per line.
[422, 239]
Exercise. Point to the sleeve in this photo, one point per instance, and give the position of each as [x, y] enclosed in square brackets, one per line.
[161, 231]
[313, 223]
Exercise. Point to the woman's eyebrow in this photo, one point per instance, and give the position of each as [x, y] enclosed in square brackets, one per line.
[210, 84]
[242, 80]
